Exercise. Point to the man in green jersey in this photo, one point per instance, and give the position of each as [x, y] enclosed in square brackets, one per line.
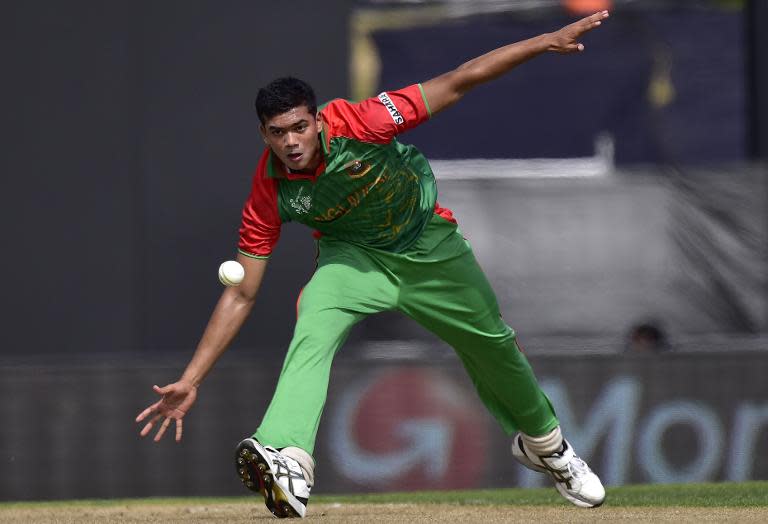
[384, 244]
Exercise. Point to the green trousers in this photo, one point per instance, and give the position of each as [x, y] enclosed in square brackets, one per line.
[438, 283]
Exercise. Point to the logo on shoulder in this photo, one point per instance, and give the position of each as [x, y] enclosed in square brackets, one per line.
[396, 115]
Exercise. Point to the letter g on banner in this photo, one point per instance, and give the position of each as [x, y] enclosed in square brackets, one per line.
[409, 428]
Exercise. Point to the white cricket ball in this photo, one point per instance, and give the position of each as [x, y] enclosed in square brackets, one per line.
[231, 273]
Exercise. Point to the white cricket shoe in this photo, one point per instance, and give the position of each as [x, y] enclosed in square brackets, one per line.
[278, 478]
[573, 478]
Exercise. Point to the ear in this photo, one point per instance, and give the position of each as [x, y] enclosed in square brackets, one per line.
[263, 132]
[320, 121]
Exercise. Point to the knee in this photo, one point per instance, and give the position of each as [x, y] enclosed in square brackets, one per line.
[321, 332]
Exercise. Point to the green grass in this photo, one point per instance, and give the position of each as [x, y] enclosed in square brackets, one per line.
[744, 494]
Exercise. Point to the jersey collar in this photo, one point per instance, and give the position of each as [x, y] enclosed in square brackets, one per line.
[276, 169]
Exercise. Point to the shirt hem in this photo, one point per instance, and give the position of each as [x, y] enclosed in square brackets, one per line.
[251, 255]
[426, 103]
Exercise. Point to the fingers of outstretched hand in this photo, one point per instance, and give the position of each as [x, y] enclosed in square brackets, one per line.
[577, 29]
[170, 408]
[161, 390]
[147, 412]
[179, 429]
[163, 428]
[592, 21]
[573, 47]
[153, 408]
[149, 425]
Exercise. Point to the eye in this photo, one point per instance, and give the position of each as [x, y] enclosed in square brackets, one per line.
[277, 132]
[301, 128]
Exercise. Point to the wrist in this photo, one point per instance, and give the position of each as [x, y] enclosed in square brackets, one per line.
[549, 42]
[191, 381]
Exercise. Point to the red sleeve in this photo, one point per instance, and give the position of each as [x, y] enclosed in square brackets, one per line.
[377, 119]
[260, 226]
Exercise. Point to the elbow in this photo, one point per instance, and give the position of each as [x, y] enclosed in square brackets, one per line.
[241, 295]
[247, 296]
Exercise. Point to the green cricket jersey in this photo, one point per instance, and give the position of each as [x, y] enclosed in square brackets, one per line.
[370, 189]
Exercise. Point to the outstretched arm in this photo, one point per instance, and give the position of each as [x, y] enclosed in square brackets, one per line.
[447, 89]
[226, 320]
[231, 311]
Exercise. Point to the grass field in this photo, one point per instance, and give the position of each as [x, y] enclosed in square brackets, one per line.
[726, 502]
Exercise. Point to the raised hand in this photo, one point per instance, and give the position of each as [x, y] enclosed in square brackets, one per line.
[566, 40]
[177, 399]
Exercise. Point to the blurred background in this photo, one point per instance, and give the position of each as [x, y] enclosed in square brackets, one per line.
[617, 200]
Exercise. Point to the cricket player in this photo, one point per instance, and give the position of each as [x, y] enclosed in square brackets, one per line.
[384, 243]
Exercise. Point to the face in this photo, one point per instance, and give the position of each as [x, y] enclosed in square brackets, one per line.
[293, 137]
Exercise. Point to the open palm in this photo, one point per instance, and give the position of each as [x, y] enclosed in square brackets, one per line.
[566, 40]
[176, 401]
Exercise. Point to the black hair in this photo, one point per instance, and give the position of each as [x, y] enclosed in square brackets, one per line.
[282, 95]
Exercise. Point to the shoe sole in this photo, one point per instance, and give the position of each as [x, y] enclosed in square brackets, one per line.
[576, 501]
[256, 474]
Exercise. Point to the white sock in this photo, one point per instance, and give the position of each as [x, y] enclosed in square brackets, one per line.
[545, 444]
[305, 460]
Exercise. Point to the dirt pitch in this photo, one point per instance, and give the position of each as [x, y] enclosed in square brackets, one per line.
[370, 513]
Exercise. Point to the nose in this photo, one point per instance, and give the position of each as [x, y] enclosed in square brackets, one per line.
[291, 139]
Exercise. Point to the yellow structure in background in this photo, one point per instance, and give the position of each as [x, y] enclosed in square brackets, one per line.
[365, 63]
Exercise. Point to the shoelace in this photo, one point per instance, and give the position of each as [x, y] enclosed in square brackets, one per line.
[578, 468]
[284, 469]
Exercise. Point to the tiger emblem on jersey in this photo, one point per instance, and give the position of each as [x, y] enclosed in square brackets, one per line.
[356, 168]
